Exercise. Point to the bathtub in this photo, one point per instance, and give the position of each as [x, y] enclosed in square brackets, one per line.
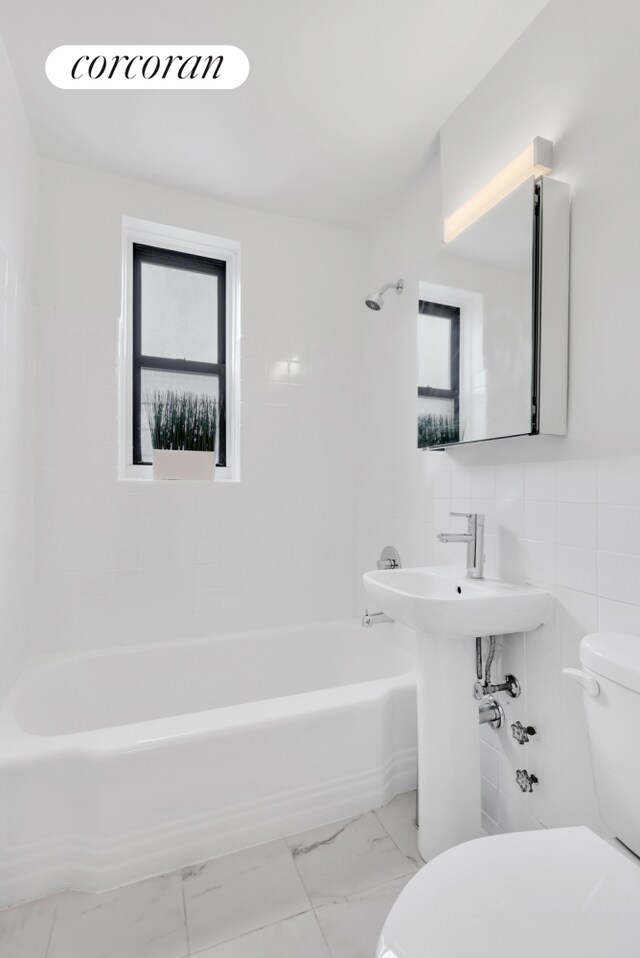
[121, 764]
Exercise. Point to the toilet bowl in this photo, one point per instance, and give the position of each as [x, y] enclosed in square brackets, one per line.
[557, 893]
[552, 893]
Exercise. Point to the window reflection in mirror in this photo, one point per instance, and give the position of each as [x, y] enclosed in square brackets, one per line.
[475, 329]
[438, 374]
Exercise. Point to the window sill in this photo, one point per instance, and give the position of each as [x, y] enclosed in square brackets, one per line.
[223, 476]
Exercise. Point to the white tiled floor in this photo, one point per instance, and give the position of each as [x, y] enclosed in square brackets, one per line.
[321, 894]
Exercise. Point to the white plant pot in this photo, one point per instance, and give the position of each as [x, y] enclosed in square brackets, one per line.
[183, 464]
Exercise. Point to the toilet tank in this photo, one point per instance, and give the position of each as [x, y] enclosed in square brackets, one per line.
[613, 724]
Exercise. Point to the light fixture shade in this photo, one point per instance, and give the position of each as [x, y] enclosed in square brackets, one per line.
[535, 160]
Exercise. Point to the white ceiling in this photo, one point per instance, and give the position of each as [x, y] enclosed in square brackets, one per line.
[341, 108]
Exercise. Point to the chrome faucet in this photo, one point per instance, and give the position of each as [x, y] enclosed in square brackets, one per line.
[474, 537]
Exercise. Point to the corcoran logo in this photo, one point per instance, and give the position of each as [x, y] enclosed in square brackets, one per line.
[147, 67]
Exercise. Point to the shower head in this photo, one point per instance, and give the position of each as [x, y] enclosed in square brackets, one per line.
[375, 300]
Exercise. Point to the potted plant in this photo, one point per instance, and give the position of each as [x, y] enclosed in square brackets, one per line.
[183, 435]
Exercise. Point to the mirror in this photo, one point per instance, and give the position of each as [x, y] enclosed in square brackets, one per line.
[493, 321]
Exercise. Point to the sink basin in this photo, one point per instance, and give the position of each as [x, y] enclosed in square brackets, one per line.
[441, 600]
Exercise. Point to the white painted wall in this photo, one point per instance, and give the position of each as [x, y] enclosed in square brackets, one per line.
[560, 511]
[18, 200]
[122, 562]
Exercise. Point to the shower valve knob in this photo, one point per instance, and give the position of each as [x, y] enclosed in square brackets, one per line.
[522, 733]
[525, 780]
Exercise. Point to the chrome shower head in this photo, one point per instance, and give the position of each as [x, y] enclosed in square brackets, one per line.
[375, 300]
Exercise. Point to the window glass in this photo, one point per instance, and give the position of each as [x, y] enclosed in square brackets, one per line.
[434, 351]
[161, 380]
[179, 313]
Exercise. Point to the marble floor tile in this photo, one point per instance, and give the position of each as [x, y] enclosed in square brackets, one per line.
[337, 861]
[145, 920]
[25, 929]
[352, 927]
[298, 937]
[399, 819]
[239, 893]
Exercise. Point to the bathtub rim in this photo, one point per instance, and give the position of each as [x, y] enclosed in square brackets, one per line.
[19, 744]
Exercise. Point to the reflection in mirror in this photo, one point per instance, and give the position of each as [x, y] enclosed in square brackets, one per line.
[476, 329]
[438, 374]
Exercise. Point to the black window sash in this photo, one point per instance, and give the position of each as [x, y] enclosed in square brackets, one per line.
[198, 264]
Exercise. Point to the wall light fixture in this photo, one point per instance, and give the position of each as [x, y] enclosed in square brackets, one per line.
[535, 160]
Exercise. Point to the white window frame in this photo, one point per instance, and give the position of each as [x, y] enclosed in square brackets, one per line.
[200, 244]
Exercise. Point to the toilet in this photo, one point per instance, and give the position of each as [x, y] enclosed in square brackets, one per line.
[559, 892]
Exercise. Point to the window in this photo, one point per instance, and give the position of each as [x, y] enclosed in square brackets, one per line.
[438, 374]
[179, 328]
[181, 333]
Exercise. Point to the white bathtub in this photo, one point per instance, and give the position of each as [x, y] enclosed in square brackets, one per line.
[121, 764]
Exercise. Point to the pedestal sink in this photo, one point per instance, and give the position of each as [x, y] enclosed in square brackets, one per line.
[448, 610]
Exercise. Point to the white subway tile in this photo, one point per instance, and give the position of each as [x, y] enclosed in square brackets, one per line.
[509, 518]
[541, 481]
[460, 482]
[510, 481]
[577, 481]
[577, 525]
[619, 577]
[619, 528]
[489, 762]
[483, 482]
[577, 569]
[619, 481]
[540, 521]
[489, 798]
[577, 611]
[618, 617]
[540, 561]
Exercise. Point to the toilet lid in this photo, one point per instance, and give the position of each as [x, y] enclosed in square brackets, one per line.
[557, 893]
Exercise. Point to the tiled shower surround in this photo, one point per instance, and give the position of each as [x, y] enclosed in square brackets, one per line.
[572, 527]
[121, 562]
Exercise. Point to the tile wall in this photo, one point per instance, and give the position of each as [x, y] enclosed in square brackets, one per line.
[121, 562]
[18, 206]
[572, 527]
[16, 469]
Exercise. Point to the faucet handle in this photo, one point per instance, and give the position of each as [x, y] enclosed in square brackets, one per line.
[476, 518]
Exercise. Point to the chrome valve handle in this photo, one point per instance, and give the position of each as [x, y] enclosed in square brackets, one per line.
[522, 733]
[525, 781]
[512, 686]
